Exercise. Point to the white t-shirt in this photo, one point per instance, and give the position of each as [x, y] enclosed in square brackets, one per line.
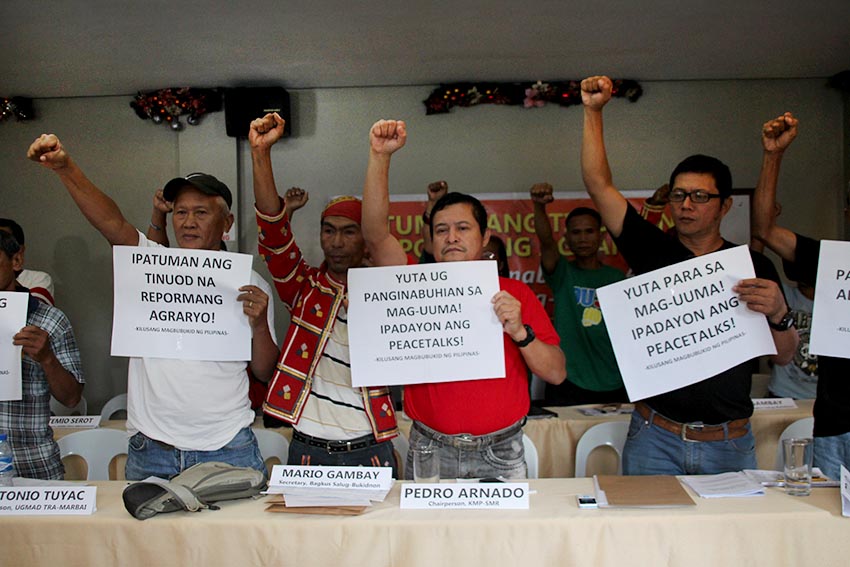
[193, 405]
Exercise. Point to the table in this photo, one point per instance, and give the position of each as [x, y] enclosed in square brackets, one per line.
[774, 530]
[555, 438]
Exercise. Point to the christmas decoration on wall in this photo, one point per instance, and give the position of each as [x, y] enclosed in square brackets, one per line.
[17, 106]
[530, 95]
[166, 106]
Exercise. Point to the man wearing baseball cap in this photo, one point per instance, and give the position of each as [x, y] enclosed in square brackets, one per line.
[334, 423]
[180, 412]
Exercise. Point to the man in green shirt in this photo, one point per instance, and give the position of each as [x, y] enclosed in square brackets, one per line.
[592, 373]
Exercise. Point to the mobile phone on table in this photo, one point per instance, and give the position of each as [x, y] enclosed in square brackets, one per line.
[586, 501]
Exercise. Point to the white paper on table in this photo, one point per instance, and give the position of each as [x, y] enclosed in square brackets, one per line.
[681, 324]
[186, 309]
[845, 492]
[299, 501]
[777, 478]
[725, 485]
[424, 323]
[13, 318]
[830, 333]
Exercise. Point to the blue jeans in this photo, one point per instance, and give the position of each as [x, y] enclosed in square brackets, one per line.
[505, 458]
[652, 450]
[832, 452]
[147, 457]
[378, 455]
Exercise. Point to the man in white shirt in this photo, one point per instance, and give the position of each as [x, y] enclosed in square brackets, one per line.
[180, 412]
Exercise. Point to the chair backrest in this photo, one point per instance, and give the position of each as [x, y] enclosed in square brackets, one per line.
[113, 406]
[272, 444]
[800, 428]
[57, 408]
[97, 447]
[400, 448]
[611, 433]
[531, 459]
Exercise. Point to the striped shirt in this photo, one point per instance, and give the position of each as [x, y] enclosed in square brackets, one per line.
[335, 409]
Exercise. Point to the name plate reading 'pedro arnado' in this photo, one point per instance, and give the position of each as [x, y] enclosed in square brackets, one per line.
[463, 496]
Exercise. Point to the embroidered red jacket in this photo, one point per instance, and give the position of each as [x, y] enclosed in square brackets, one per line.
[313, 298]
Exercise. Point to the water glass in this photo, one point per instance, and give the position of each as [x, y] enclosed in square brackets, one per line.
[798, 453]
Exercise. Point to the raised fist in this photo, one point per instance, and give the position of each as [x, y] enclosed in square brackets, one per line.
[596, 91]
[777, 134]
[266, 131]
[541, 193]
[387, 136]
[49, 152]
[295, 198]
[160, 204]
[436, 190]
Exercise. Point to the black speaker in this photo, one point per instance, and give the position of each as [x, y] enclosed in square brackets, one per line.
[242, 105]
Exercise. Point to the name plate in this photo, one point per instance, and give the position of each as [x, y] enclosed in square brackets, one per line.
[463, 496]
[75, 421]
[352, 478]
[773, 403]
[48, 501]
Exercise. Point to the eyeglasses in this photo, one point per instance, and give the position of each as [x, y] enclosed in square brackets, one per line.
[698, 196]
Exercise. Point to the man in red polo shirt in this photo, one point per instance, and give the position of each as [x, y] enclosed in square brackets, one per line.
[477, 424]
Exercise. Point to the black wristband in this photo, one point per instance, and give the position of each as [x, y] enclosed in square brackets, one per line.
[784, 324]
[528, 338]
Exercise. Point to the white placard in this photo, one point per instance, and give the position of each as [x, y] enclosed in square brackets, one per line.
[424, 323]
[324, 477]
[845, 492]
[830, 335]
[175, 303]
[773, 403]
[13, 318]
[74, 421]
[681, 324]
[465, 496]
[48, 501]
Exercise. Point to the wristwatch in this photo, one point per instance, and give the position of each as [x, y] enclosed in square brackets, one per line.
[784, 324]
[528, 338]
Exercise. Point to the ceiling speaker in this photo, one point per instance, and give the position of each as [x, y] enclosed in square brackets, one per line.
[244, 104]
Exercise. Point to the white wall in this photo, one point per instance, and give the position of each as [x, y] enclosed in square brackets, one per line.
[487, 148]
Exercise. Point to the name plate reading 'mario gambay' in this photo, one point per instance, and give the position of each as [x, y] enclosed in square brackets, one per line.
[48, 501]
[352, 478]
[465, 496]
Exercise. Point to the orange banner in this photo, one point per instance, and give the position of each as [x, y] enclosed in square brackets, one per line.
[511, 217]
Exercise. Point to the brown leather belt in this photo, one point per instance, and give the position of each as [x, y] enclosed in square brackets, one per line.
[695, 431]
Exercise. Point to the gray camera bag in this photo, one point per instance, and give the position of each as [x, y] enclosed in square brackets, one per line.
[194, 489]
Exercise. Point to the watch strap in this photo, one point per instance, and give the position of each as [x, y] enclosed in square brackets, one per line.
[528, 338]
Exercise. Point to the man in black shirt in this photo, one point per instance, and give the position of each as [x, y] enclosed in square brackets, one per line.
[800, 255]
[702, 428]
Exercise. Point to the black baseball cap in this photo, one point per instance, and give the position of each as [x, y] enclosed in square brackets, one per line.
[203, 182]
